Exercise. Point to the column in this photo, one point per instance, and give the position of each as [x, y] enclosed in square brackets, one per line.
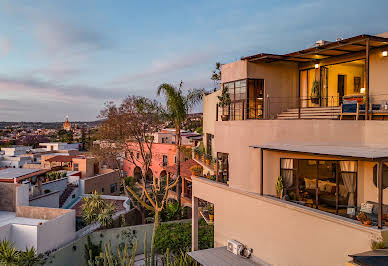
[194, 224]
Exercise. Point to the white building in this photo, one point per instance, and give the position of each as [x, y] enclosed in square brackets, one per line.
[44, 229]
[15, 157]
[59, 146]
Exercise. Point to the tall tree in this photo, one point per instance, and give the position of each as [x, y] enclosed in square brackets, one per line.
[216, 75]
[178, 106]
[127, 130]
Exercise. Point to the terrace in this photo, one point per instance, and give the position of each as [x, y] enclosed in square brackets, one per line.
[313, 83]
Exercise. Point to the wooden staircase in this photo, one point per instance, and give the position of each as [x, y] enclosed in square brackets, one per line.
[311, 113]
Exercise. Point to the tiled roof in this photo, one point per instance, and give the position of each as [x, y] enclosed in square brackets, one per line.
[61, 158]
[185, 168]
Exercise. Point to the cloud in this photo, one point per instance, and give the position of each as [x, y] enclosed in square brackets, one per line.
[63, 37]
[168, 65]
[55, 91]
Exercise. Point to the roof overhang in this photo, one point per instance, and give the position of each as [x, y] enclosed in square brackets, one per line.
[356, 44]
[365, 153]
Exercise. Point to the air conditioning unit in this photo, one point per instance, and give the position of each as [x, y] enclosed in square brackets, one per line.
[235, 247]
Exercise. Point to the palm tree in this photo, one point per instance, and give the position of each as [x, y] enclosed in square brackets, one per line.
[178, 106]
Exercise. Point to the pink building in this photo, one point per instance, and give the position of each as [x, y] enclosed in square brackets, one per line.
[163, 155]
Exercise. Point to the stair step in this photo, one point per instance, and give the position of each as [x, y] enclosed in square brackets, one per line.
[304, 114]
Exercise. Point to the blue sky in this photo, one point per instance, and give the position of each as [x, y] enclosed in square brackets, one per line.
[62, 58]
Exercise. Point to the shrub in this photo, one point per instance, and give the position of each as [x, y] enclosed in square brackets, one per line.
[177, 237]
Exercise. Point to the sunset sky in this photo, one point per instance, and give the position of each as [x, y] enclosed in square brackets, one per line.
[62, 58]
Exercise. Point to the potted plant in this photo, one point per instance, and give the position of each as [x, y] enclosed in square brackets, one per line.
[196, 170]
[215, 164]
[210, 209]
[279, 187]
[315, 92]
[224, 102]
[208, 159]
[364, 219]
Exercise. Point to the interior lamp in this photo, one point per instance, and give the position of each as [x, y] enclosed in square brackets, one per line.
[362, 90]
[316, 65]
[385, 53]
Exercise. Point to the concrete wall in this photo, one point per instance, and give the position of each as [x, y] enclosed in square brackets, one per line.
[210, 109]
[55, 185]
[24, 236]
[7, 197]
[56, 232]
[40, 212]
[73, 253]
[101, 183]
[22, 195]
[49, 200]
[282, 233]
[378, 78]
[243, 161]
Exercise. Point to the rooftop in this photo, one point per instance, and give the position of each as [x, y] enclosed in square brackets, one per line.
[10, 173]
[11, 218]
[341, 47]
[185, 168]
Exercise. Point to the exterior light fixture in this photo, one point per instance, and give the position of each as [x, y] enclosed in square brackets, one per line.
[385, 53]
[362, 90]
[316, 65]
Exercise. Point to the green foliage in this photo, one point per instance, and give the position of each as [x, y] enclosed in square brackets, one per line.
[96, 209]
[29, 257]
[65, 136]
[181, 259]
[224, 98]
[199, 130]
[279, 185]
[315, 91]
[10, 256]
[107, 258]
[177, 237]
[377, 245]
[172, 212]
[92, 250]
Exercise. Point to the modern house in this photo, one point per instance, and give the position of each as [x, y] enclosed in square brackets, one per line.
[45, 229]
[293, 173]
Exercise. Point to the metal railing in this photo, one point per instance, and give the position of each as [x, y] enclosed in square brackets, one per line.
[270, 107]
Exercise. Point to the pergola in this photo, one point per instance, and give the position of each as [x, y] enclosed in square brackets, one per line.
[378, 155]
[354, 48]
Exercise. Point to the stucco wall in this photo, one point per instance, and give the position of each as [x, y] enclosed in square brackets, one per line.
[101, 182]
[49, 200]
[7, 197]
[378, 78]
[210, 109]
[22, 195]
[24, 236]
[235, 137]
[57, 232]
[281, 233]
[234, 71]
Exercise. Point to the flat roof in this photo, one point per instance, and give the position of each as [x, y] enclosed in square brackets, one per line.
[11, 218]
[358, 152]
[11, 173]
[324, 51]
[219, 257]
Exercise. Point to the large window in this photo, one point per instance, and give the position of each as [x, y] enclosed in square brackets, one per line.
[328, 185]
[222, 168]
[247, 98]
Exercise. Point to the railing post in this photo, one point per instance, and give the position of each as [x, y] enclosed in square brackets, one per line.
[299, 107]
